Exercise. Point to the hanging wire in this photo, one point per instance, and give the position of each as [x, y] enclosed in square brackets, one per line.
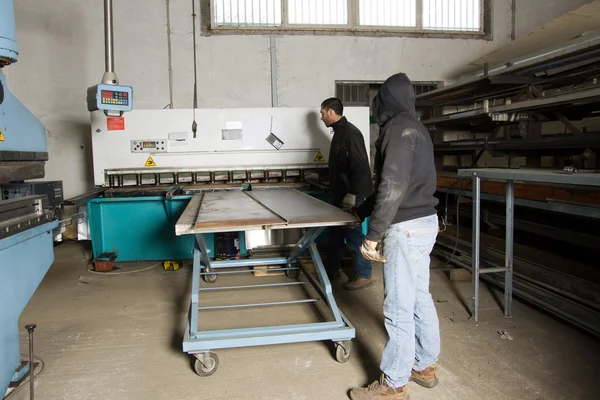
[195, 105]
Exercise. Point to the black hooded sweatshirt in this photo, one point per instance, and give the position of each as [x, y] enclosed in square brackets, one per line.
[404, 164]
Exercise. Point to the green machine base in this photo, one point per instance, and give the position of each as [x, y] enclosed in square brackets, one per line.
[143, 228]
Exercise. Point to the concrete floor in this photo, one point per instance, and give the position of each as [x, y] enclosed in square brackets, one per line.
[119, 337]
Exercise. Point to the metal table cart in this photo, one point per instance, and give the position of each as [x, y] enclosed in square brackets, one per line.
[231, 211]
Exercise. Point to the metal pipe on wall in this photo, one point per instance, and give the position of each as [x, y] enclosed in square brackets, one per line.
[273, 55]
[109, 56]
[110, 77]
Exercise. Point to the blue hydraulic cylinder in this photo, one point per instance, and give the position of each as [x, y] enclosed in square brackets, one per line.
[9, 50]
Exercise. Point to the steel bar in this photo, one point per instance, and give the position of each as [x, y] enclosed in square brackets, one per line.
[265, 285]
[492, 270]
[201, 245]
[325, 282]
[250, 305]
[534, 175]
[264, 336]
[476, 244]
[509, 245]
[250, 262]
[521, 106]
[109, 56]
[566, 208]
[244, 271]
[315, 282]
[269, 330]
[195, 289]
[309, 236]
[30, 328]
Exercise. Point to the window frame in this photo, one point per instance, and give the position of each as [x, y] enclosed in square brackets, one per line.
[353, 28]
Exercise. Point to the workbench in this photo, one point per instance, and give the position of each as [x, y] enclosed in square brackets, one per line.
[510, 176]
[233, 211]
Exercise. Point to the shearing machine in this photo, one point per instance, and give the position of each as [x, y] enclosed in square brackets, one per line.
[26, 240]
[234, 191]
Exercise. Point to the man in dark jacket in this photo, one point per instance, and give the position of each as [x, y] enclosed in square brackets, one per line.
[350, 184]
[403, 216]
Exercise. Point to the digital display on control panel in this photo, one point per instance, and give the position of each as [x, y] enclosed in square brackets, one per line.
[149, 145]
[114, 97]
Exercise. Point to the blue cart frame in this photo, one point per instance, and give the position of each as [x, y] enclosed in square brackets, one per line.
[201, 344]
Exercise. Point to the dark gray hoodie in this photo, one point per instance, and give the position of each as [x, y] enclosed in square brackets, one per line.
[404, 165]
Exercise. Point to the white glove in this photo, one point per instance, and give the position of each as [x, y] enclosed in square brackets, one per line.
[372, 254]
[349, 202]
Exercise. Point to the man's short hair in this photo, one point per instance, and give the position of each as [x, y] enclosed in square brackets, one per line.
[333, 104]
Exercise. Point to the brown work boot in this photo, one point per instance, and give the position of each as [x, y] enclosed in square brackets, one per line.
[426, 378]
[358, 283]
[379, 390]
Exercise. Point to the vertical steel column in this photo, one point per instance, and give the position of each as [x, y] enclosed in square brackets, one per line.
[195, 292]
[508, 254]
[201, 245]
[273, 53]
[109, 55]
[475, 244]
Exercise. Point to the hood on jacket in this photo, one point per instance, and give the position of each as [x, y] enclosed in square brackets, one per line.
[396, 95]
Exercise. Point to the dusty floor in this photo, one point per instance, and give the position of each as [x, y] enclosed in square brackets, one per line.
[119, 337]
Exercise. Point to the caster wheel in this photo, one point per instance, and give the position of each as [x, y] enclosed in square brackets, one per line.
[343, 351]
[292, 273]
[212, 364]
[210, 278]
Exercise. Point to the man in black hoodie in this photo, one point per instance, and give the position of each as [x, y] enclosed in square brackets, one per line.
[404, 227]
[350, 184]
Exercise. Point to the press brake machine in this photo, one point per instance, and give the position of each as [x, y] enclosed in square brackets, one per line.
[26, 240]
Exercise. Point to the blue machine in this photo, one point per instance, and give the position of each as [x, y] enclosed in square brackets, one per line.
[26, 241]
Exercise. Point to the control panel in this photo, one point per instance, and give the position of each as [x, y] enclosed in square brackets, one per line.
[110, 98]
[149, 146]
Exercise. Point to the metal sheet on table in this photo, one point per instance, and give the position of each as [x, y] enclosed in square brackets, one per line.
[229, 211]
[535, 175]
[233, 209]
[301, 209]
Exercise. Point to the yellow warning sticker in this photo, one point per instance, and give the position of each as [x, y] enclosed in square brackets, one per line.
[150, 162]
[319, 157]
[1, 136]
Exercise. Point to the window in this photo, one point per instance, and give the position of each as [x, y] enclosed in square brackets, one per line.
[452, 15]
[416, 16]
[359, 93]
[240, 13]
[317, 12]
[390, 13]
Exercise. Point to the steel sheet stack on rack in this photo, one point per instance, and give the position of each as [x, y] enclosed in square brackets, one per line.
[532, 121]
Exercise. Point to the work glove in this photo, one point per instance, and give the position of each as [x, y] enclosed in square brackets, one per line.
[349, 202]
[372, 254]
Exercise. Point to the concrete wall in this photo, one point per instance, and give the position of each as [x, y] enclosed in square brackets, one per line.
[532, 14]
[61, 45]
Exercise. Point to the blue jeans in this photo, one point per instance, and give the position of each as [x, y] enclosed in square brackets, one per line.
[411, 319]
[354, 238]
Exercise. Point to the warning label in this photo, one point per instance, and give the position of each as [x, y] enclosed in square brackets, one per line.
[319, 157]
[150, 162]
[1, 135]
[115, 123]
